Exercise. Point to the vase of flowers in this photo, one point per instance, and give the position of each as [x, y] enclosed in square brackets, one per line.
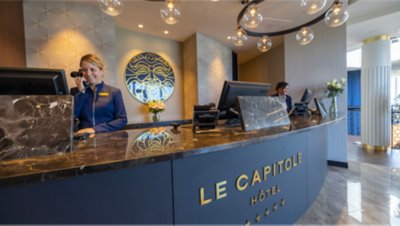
[334, 88]
[155, 107]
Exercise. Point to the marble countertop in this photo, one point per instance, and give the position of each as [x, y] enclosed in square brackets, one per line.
[130, 148]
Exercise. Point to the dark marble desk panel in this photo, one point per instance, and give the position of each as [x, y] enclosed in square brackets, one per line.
[35, 125]
[129, 148]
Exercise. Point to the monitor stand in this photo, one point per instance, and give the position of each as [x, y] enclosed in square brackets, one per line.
[233, 122]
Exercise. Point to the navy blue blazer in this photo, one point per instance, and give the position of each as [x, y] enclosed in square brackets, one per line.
[103, 111]
[288, 101]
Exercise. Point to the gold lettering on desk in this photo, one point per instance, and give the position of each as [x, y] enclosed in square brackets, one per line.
[202, 200]
[267, 170]
[256, 178]
[275, 207]
[263, 194]
[288, 164]
[238, 185]
[220, 192]
[299, 157]
[253, 201]
[280, 164]
[273, 169]
[266, 212]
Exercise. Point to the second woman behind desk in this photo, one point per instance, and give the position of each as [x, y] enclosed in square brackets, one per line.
[99, 107]
[281, 92]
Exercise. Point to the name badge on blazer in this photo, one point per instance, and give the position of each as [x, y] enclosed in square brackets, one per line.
[103, 94]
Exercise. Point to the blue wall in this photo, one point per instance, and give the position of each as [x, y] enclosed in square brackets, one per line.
[354, 102]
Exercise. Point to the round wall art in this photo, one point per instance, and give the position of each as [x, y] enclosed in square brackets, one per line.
[148, 76]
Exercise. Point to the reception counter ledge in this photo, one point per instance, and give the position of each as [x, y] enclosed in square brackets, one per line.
[171, 176]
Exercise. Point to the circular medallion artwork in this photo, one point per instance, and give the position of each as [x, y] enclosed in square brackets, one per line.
[148, 76]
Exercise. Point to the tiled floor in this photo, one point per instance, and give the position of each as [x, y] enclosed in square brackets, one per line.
[368, 192]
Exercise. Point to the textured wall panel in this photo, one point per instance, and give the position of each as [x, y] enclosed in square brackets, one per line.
[207, 64]
[214, 66]
[58, 33]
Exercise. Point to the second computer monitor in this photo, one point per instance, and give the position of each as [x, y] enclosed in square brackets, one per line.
[227, 103]
[307, 96]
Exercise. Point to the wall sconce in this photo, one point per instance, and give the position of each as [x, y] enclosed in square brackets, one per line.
[111, 7]
[248, 17]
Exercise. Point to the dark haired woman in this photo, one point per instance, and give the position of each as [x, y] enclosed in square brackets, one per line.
[281, 90]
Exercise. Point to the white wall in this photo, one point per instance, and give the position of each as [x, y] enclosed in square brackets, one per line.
[312, 66]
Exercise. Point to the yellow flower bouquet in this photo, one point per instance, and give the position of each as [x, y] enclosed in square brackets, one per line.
[155, 107]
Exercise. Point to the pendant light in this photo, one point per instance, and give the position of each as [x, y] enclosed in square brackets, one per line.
[111, 7]
[170, 12]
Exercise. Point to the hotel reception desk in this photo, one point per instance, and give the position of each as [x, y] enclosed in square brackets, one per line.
[171, 176]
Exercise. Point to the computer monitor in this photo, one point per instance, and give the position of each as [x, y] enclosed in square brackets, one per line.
[227, 102]
[32, 81]
[307, 96]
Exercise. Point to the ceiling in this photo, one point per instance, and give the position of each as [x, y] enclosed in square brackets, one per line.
[217, 19]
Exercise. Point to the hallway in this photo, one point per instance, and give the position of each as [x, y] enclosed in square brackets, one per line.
[368, 192]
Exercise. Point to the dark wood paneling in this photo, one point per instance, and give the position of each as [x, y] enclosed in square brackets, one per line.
[12, 37]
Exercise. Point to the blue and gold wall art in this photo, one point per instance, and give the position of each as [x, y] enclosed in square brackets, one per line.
[148, 76]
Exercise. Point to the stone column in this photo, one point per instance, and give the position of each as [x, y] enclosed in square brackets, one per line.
[375, 93]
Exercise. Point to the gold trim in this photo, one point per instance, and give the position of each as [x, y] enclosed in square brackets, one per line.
[374, 148]
[376, 38]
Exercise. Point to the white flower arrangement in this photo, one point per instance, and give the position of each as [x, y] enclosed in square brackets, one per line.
[336, 87]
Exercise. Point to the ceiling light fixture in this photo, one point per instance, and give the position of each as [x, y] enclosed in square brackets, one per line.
[304, 36]
[170, 12]
[240, 37]
[312, 6]
[111, 7]
[252, 18]
[335, 16]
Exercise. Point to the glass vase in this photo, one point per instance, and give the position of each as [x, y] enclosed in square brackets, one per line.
[333, 108]
[156, 117]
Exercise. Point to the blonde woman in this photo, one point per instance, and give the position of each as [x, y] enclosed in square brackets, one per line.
[98, 107]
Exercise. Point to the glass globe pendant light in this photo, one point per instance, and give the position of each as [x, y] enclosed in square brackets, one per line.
[304, 36]
[312, 6]
[264, 43]
[239, 38]
[171, 12]
[252, 18]
[337, 15]
[111, 7]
